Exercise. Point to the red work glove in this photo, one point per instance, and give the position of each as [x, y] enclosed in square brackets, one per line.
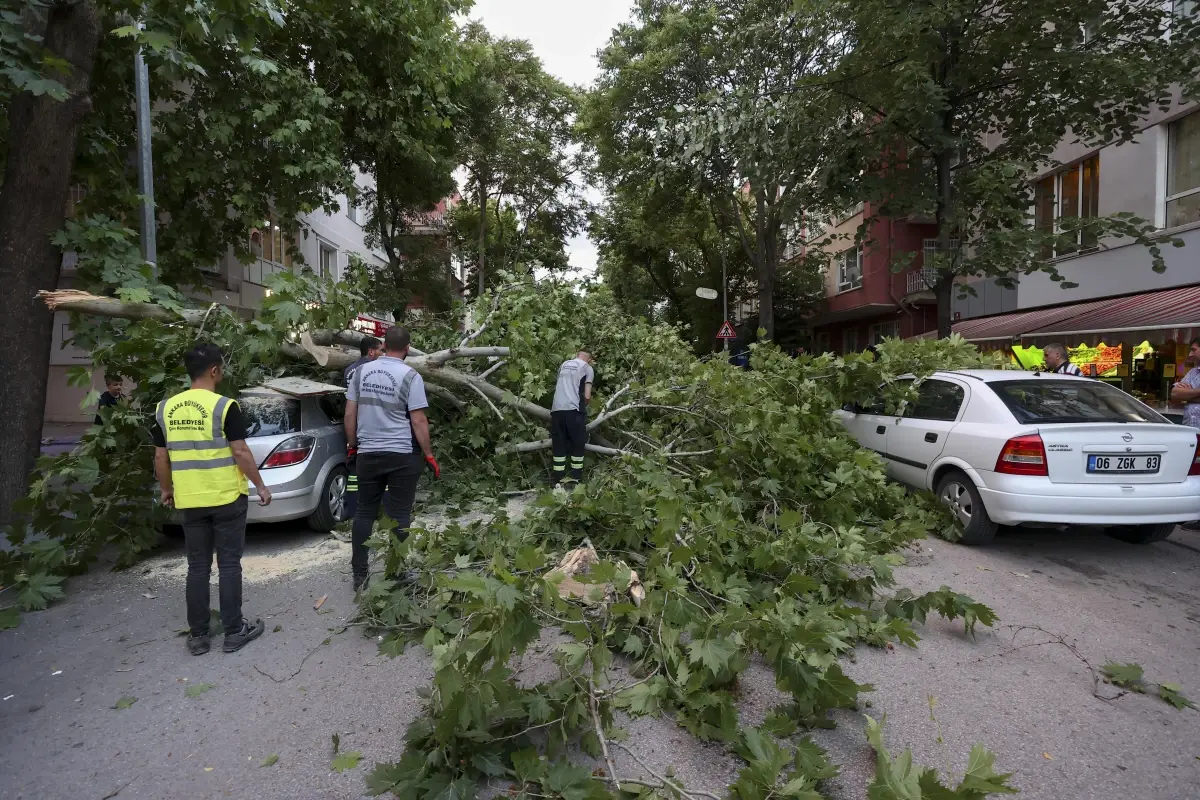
[433, 465]
[351, 457]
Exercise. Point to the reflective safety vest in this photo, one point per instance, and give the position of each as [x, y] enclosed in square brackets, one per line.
[202, 468]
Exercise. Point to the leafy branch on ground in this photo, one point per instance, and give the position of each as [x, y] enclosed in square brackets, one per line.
[899, 779]
[1130, 676]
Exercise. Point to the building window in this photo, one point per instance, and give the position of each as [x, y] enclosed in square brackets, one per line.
[1183, 171]
[849, 269]
[271, 247]
[327, 266]
[1072, 193]
[884, 330]
[849, 341]
[356, 209]
[823, 343]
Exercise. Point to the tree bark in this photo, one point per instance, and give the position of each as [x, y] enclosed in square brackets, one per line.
[33, 205]
[482, 196]
[945, 283]
[766, 255]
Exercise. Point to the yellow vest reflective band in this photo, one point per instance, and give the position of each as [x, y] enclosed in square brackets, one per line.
[202, 468]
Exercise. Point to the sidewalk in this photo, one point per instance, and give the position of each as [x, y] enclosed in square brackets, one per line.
[61, 437]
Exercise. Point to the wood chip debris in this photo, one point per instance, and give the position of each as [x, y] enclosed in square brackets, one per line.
[580, 562]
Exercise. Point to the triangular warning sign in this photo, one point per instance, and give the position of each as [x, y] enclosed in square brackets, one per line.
[726, 331]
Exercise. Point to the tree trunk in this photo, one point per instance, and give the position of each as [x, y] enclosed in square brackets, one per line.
[945, 283]
[766, 257]
[33, 205]
[482, 193]
[944, 293]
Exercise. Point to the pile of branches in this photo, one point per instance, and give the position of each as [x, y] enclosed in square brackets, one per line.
[730, 519]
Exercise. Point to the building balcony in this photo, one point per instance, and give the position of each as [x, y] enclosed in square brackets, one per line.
[921, 280]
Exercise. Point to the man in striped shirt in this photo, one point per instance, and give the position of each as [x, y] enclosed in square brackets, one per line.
[1059, 360]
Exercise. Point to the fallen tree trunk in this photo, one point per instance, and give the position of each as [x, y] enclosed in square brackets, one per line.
[434, 367]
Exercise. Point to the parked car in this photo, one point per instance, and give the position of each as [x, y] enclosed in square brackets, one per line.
[299, 443]
[1018, 448]
[300, 446]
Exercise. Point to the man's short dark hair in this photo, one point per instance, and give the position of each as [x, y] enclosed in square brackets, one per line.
[368, 344]
[112, 377]
[1061, 350]
[1195, 341]
[201, 358]
[396, 339]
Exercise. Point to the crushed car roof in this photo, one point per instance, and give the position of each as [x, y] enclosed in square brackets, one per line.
[294, 387]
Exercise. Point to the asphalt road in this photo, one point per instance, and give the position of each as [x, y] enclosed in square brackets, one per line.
[65, 669]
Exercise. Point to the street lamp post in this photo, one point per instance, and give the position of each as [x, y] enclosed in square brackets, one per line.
[724, 296]
[145, 161]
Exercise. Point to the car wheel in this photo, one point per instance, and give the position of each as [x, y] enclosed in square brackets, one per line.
[1141, 534]
[958, 493]
[333, 502]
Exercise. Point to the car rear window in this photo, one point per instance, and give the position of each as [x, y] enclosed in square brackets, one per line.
[1050, 401]
[270, 416]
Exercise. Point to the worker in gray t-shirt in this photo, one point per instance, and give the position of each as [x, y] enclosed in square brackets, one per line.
[568, 415]
[385, 426]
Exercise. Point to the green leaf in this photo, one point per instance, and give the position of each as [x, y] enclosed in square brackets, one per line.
[1172, 693]
[714, 654]
[270, 760]
[198, 689]
[569, 780]
[1128, 676]
[38, 590]
[346, 761]
[10, 617]
[124, 703]
[131, 294]
[981, 778]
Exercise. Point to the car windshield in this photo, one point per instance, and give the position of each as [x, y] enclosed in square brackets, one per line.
[1050, 401]
[270, 416]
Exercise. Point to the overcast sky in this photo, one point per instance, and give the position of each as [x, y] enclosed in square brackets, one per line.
[566, 35]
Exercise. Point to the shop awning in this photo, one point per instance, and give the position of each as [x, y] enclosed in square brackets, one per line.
[1016, 324]
[1165, 315]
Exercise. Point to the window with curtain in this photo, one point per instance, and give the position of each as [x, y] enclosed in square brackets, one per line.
[1071, 193]
[1183, 171]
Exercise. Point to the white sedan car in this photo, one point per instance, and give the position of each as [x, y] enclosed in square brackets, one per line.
[1014, 448]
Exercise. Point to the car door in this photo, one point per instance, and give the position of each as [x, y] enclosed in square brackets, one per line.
[918, 437]
[869, 424]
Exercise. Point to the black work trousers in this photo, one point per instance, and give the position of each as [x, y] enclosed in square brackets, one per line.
[221, 529]
[397, 473]
[568, 433]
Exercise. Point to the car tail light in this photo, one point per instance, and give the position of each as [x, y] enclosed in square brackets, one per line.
[290, 451]
[1195, 470]
[1023, 455]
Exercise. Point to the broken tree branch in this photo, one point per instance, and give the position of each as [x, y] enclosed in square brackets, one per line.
[445, 394]
[433, 367]
[486, 400]
[599, 727]
[484, 375]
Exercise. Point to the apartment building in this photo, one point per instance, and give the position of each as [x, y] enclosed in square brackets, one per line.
[865, 300]
[319, 241]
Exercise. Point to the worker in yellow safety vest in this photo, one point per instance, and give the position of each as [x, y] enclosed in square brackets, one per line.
[202, 462]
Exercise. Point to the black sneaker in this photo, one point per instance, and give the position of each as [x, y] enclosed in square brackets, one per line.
[361, 582]
[249, 632]
[199, 645]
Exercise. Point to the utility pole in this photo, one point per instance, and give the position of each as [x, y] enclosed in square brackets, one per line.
[145, 161]
[724, 295]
